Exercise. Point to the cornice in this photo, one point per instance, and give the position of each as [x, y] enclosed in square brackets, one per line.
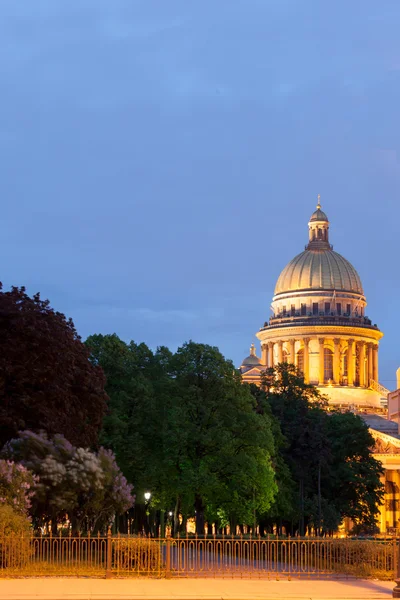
[385, 437]
[343, 331]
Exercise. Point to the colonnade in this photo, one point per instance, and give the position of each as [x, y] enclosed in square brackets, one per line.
[361, 358]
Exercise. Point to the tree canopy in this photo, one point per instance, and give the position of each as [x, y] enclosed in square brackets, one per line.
[183, 426]
[328, 453]
[46, 379]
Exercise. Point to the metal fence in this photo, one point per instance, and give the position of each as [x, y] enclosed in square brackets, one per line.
[121, 556]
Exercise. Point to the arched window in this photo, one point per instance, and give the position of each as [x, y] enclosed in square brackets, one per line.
[300, 360]
[328, 364]
[345, 364]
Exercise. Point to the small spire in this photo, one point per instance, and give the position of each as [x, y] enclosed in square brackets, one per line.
[319, 202]
[252, 350]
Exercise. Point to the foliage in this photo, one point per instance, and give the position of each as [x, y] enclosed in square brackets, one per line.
[140, 555]
[328, 454]
[15, 528]
[46, 379]
[184, 427]
[87, 486]
[16, 486]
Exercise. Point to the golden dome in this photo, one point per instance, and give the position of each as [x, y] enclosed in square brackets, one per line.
[319, 269]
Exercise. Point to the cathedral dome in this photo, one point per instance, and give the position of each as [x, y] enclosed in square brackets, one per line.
[321, 269]
[318, 267]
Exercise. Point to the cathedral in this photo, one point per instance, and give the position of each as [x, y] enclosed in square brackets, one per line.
[319, 323]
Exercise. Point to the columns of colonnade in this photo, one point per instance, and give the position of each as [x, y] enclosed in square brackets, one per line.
[280, 351]
[321, 370]
[292, 355]
[264, 355]
[270, 354]
[306, 360]
[375, 363]
[362, 365]
[350, 362]
[336, 361]
[370, 364]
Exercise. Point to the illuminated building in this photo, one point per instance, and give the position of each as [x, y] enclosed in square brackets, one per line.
[319, 323]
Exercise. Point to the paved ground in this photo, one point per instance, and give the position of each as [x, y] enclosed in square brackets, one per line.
[191, 589]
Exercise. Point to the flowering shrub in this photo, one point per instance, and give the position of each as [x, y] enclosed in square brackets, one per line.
[87, 486]
[16, 486]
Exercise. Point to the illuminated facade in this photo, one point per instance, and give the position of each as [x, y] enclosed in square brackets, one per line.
[318, 323]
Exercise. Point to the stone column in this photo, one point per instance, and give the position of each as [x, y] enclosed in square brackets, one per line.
[361, 378]
[264, 355]
[280, 351]
[292, 356]
[375, 362]
[321, 375]
[270, 354]
[336, 362]
[370, 364]
[306, 360]
[350, 363]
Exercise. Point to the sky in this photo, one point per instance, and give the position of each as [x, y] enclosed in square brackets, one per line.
[160, 159]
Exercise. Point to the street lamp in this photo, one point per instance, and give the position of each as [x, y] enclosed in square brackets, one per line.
[147, 496]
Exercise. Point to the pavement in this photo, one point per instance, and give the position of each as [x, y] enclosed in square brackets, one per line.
[192, 589]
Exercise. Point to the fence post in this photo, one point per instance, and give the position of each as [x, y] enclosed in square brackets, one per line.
[168, 559]
[108, 555]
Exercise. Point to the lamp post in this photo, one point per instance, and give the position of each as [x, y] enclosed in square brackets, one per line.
[147, 496]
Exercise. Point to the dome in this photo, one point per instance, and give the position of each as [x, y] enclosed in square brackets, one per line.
[318, 215]
[319, 269]
[252, 360]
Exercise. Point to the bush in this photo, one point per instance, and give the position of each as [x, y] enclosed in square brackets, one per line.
[368, 558]
[15, 538]
[141, 555]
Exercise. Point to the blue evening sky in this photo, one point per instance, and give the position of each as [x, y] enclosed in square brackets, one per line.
[160, 158]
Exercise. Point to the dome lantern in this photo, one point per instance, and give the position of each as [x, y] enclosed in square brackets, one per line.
[318, 228]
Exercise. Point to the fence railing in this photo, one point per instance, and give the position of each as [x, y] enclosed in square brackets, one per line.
[195, 557]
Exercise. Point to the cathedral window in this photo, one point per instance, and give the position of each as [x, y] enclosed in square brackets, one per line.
[348, 310]
[345, 364]
[339, 308]
[327, 308]
[328, 364]
[300, 360]
[303, 309]
[293, 310]
[315, 308]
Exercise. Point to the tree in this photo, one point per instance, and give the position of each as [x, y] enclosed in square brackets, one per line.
[354, 476]
[217, 447]
[328, 454]
[184, 427]
[46, 379]
[87, 487]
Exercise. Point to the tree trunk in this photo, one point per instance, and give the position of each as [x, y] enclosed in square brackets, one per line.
[177, 510]
[199, 507]
[319, 499]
